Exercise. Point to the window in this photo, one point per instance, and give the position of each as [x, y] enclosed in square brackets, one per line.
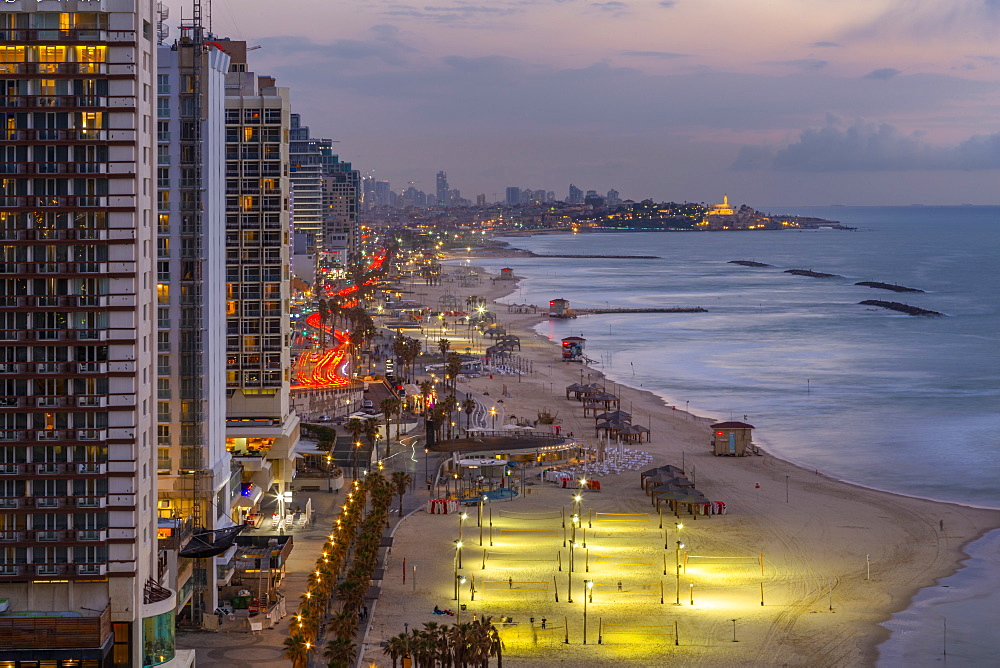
[163, 107]
[163, 318]
[163, 435]
[163, 365]
[163, 84]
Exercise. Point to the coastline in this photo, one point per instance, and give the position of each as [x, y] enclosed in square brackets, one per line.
[916, 518]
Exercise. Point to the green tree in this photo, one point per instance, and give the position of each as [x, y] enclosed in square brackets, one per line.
[297, 649]
[400, 481]
[341, 653]
[469, 406]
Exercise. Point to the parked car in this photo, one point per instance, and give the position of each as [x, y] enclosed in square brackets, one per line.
[368, 403]
[324, 418]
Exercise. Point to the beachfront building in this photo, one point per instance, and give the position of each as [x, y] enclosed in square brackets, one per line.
[78, 575]
[261, 427]
[197, 482]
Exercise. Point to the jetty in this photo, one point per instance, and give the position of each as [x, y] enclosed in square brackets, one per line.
[888, 286]
[749, 263]
[902, 308]
[810, 273]
[676, 309]
[599, 257]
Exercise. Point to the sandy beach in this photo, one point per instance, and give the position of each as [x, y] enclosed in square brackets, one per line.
[817, 536]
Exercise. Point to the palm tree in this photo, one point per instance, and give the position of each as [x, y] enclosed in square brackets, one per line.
[444, 345]
[400, 481]
[355, 428]
[397, 647]
[389, 406]
[469, 405]
[297, 649]
[342, 653]
[372, 434]
[344, 624]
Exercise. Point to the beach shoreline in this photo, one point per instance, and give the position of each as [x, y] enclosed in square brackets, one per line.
[829, 533]
[881, 633]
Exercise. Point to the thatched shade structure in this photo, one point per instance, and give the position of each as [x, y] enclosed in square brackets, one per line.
[634, 432]
[613, 427]
[664, 480]
[621, 416]
[669, 468]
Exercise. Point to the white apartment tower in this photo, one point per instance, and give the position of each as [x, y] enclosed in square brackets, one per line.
[197, 481]
[261, 429]
[77, 340]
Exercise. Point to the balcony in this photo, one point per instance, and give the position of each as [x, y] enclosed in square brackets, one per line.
[54, 630]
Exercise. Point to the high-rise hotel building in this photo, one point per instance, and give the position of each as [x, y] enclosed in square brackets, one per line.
[77, 336]
[198, 483]
[261, 428]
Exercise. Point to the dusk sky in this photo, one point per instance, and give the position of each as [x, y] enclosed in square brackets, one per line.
[772, 101]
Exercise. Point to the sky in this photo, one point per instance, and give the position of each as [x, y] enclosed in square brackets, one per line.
[773, 102]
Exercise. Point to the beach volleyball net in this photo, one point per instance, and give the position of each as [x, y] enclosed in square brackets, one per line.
[627, 588]
[712, 560]
[620, 560]
[611, 633]
[532, 557]
[531, 517]
[622, 517]
[515, 585]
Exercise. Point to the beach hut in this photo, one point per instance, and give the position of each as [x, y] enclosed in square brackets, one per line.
[732, 439]
[507, 273]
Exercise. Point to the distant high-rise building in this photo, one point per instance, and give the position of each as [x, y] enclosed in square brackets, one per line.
[442, 189]
[513, 196]
[78, 570]
[550, 196]
[593, 199]
[614, 199]
[575, 195]
[481, 199]
[383, 192]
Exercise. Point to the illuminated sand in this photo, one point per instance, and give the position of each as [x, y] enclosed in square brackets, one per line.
[814, 545]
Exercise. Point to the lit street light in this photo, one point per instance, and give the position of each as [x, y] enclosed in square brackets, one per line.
[493, 414]
[586, 595]
[458, 564]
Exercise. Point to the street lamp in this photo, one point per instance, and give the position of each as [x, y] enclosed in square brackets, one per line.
[677, 566]
[493, 414]
[458, 592]
[586, 595]
[329, 472]
[569, 598]
[461, 525]
[458, 555]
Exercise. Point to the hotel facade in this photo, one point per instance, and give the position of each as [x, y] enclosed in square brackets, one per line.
[77, 421]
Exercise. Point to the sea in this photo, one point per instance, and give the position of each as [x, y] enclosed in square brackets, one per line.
[896, 402]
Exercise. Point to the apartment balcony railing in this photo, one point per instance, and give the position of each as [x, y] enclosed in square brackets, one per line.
[54, 468]
[67, 101]
[67, 35]
[61, 134]
[13, 502]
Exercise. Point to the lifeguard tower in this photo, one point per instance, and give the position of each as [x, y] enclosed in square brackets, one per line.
[559, 308]
[732, 439]
[572, 348]
[507, 274]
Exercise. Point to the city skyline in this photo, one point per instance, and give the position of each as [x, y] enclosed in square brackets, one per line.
[777, 103]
